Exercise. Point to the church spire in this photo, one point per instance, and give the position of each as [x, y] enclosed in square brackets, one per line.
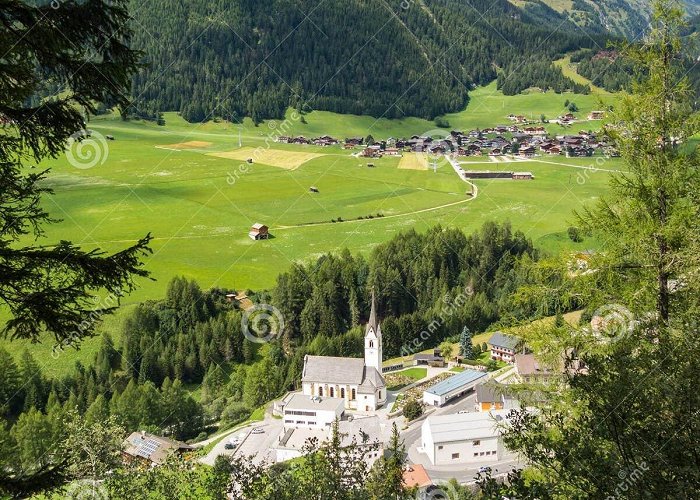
[373, 323]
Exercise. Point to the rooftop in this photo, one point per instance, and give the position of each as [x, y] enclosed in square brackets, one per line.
[500, 339]
[304, 402]
[333, 370]
[455, 382]
[416, 476]
[465, 426]
[151, 447]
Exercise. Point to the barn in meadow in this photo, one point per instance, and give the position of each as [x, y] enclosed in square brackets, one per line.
[259, 232]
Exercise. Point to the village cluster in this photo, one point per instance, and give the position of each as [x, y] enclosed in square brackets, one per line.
[522, 138]
[465, 410]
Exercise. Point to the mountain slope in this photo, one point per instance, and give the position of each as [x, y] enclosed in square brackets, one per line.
[389, 58]
[627, 18]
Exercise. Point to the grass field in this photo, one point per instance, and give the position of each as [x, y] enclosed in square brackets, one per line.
[199, 207]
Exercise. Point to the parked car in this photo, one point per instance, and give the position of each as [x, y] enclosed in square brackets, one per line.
[462, 411]
[258, 430]
[229, 446]
[483, 470]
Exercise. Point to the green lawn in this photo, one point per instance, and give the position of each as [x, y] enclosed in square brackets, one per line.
[199, 207]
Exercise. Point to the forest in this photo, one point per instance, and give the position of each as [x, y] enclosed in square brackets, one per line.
[193, 338]
[385, 59]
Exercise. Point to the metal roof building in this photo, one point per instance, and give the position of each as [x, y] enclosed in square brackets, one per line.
[453, 387]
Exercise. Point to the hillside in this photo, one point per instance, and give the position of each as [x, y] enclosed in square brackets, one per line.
[376, 57]
[621, 17]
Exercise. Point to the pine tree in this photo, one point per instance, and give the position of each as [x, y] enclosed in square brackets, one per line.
[465, 343]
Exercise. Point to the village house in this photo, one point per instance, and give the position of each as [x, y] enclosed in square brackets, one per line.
[503, 347]
[150, 448]
[493, 395]
[596, 115]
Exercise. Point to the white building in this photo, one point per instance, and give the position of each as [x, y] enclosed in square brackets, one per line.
[311, 412]
[366, 433]
[357, 381]
[464, 438]
[453, 387]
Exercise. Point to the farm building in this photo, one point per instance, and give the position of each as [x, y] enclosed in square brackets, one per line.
[487, 174]
[453, 387]
[464, 438]
[151, 448]
[596, 115]
[259, 232]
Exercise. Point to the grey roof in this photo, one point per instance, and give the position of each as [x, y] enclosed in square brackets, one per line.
[490, 392]
[372, 380]
[455, 382]
[527, 364]
[333, 370]
[500, 339]
[465, 426]
[304, 402]
[369, 427]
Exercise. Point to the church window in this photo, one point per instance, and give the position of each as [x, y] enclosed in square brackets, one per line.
[320, 391]
[371, 343]
[352, 394]
[331, 392]
[342, 392]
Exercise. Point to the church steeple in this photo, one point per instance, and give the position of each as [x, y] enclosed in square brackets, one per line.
[373, 338]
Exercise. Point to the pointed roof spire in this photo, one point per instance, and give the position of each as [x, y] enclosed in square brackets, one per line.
[373, 323]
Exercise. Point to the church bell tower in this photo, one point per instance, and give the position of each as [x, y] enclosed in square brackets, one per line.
[373, 339]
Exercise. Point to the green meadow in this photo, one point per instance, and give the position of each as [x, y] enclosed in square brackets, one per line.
[199, 207]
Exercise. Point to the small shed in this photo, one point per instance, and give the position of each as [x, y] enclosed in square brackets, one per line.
[259, 232]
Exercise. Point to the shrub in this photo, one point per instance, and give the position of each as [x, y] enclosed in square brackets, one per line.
[412, 409]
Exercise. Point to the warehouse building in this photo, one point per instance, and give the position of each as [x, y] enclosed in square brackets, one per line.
[454, 387]
[464, 438]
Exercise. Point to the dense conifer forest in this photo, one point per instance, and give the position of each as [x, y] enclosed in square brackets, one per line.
[382, 58]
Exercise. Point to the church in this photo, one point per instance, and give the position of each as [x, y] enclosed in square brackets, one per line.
[357, 381]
